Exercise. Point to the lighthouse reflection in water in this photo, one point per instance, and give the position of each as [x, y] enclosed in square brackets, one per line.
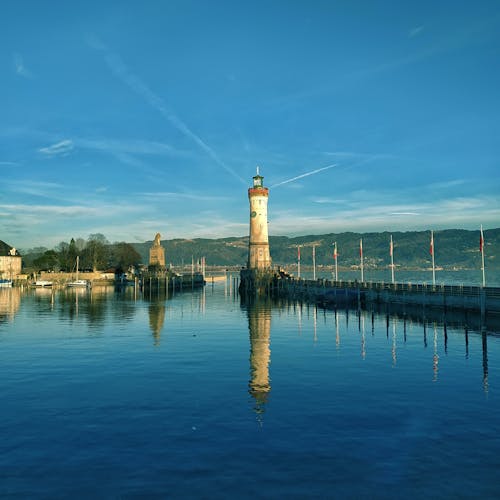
[259, 326]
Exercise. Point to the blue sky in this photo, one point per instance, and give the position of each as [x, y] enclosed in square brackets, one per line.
[131, 118]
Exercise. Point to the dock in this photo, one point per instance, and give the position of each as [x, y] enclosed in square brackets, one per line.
[160, 283]
[480, 301]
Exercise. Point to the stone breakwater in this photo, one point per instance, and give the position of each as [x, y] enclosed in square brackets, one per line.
[481, 301]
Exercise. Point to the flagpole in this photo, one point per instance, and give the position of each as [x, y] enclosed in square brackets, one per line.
[298, 261]
[481, 248]
[392, 260]
[361, 259]
[335, 257]
[432, 254]
[314, 262]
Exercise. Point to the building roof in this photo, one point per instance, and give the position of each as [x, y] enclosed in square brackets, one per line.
[5, 249]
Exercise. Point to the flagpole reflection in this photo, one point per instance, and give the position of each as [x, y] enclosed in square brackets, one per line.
[435, 358]
[363, 337]
[484, 338]
[337, 330]
[394, 356]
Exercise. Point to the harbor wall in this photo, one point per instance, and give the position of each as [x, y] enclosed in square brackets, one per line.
[165, 282]
[481, 302]
[472, 298]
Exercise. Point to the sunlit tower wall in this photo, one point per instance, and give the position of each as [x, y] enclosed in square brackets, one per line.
[258, 246]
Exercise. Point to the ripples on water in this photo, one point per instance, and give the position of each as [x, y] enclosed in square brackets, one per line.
[117, 395]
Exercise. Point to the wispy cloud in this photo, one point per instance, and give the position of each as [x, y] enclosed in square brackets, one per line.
[125, 151]
[301, 176]
[356, 155]
[404, 213]
[20, 68]
[447, 184]
[180, 195]
[52, 210]
[326, 200]
[61, 148]
[33, 188]
[416, 31]
[387, 215]
[43, 211]
[126, 146]
[121, 71]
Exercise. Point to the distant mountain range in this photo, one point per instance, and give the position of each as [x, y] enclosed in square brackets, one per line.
[453, 248]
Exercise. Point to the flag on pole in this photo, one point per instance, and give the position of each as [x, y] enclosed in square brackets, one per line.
[298, 260]
[391, 248]
[361, 259]
[314, 262]
[481, 249]
[431, 250]
[335, 255]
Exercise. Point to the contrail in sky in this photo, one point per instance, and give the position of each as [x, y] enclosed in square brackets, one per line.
[307, 174]
[119, 68]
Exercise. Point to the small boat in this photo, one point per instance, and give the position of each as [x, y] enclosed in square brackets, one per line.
[4, 283]
[43, 283]
[77, 283]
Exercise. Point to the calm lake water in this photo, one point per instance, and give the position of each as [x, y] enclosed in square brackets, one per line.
[110, 394]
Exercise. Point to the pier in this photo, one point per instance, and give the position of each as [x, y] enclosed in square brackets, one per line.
[442, 296]
[166, 282]
[483, 302]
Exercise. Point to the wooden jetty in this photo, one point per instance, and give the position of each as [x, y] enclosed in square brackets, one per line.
[168, 281]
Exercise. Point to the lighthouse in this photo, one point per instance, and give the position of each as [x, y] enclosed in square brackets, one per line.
[258, 246]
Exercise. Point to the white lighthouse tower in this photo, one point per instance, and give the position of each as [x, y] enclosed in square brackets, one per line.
[258, 246]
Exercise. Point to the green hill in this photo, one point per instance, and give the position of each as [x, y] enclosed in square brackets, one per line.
[453, 248]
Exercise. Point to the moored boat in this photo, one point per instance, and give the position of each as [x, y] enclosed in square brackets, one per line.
[78, 284]
[43, 283]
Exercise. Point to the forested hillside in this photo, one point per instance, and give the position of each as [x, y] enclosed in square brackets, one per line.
[452, 248]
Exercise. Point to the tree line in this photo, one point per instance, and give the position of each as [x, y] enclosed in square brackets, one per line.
[95, 253]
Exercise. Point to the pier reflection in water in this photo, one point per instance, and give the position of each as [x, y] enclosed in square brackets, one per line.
[348, 402]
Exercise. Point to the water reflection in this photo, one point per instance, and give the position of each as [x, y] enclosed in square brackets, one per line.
[156, 312]
[259, 326]
[485, 360]
[10, 301]
[95, 309]
[435, 357]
